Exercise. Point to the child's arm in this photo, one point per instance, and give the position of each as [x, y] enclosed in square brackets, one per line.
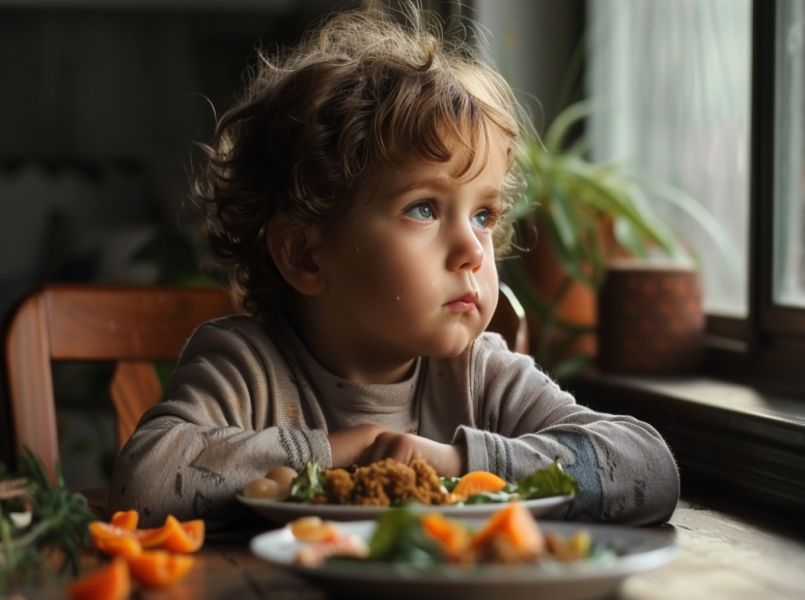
[231, 412]
[523, 421]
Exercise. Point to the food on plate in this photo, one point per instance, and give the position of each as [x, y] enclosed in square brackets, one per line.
[345, 545]
[477, 482]
[263, 487]
[383, 483]
[392, 483]
[313, 529]
[284, 477]
[509, 536]
[275, 485]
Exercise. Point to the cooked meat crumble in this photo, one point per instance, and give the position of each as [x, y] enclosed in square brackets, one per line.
[384, 483]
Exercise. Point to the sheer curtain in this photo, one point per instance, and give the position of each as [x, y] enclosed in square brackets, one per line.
[789, 175]
[670, 82]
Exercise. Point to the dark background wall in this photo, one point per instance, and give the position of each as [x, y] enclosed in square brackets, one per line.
[100, 103]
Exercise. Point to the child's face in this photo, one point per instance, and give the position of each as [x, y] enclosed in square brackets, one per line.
[412, 270]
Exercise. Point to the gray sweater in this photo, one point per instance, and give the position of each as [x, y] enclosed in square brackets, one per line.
[246, 397]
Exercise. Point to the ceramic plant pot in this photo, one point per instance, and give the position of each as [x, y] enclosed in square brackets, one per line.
[650, 319]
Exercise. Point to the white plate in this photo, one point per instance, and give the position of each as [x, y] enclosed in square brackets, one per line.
[641, 550]
[281, 512]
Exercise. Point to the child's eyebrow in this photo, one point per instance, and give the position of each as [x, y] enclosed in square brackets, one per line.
[442, 183]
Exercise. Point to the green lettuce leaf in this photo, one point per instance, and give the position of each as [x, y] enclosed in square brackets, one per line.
[308, 484]
[399, 537]
[550, 481]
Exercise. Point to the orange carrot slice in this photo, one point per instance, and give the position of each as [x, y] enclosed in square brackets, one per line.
[451, 535]
[101, 530]
[185, 536]
[124, 546]
[476, 482]
[313, 529]
[110, 582]
[516, 524]
[174, 535]
[158, 568]
[126, 519]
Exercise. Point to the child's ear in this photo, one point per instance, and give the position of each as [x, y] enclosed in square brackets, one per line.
[295, 252]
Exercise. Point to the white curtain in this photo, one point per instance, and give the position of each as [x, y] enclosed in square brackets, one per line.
[670, 81]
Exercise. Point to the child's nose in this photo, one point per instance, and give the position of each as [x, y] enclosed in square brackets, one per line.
[466, 251]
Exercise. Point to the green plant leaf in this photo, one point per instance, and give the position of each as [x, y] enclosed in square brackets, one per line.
[700, 215]
[559, 129]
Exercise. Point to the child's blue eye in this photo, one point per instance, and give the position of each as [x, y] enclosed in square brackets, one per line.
[481, 219]
[421, 212]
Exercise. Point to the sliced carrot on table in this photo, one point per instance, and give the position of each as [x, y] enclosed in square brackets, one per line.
[110, 582]
[516, 524]
[159, 568]
[126, 519]
[101, 530]
[122, 546]
[174, 535]
[476, 482]
[191, 540]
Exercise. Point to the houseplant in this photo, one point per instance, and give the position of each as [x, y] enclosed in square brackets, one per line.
[584, 215]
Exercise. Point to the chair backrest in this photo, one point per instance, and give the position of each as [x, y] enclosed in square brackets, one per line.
[131, 327]
[510, 321]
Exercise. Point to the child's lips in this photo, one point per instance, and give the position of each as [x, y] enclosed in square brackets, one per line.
[466, 303]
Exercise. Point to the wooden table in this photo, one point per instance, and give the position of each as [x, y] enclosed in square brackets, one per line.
[730, 554]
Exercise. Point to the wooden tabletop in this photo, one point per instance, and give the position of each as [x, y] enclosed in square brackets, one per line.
[734, 554]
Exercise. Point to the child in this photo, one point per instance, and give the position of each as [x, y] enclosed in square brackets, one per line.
[360, 194]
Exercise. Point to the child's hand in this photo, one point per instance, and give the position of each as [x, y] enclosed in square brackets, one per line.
[446, 459]
[347, 445]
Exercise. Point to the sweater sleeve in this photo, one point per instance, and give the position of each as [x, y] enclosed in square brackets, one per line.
[625, 470]
[207, 438]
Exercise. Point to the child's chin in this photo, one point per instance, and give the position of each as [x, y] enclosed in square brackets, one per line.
[450, 350]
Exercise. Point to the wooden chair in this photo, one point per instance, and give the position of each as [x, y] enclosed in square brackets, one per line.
[510, 321]
[132, 327]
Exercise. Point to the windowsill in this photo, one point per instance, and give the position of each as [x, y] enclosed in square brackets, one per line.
[722, 433]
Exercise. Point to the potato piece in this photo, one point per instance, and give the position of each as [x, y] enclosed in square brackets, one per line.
[263, 488]
[284, 476]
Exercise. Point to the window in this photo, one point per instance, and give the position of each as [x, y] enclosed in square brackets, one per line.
[709, 95]
[789, 152]
[671, 84]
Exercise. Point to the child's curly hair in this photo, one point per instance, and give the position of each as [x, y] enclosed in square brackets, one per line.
[361, 92]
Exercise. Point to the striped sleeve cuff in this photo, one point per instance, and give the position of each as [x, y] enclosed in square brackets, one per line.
[486, 451]
[305, 446]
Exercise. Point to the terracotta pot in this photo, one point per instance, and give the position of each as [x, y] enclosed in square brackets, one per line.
[650, 319]
[578, 305]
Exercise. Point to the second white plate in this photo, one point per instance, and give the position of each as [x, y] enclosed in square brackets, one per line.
[640, 550]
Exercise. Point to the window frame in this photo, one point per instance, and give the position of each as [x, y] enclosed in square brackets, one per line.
[764, 345]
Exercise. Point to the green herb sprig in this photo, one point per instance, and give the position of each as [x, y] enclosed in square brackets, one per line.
[58, 526]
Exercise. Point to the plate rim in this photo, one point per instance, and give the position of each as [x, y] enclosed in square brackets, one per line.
[656, 556]
[300, 509]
